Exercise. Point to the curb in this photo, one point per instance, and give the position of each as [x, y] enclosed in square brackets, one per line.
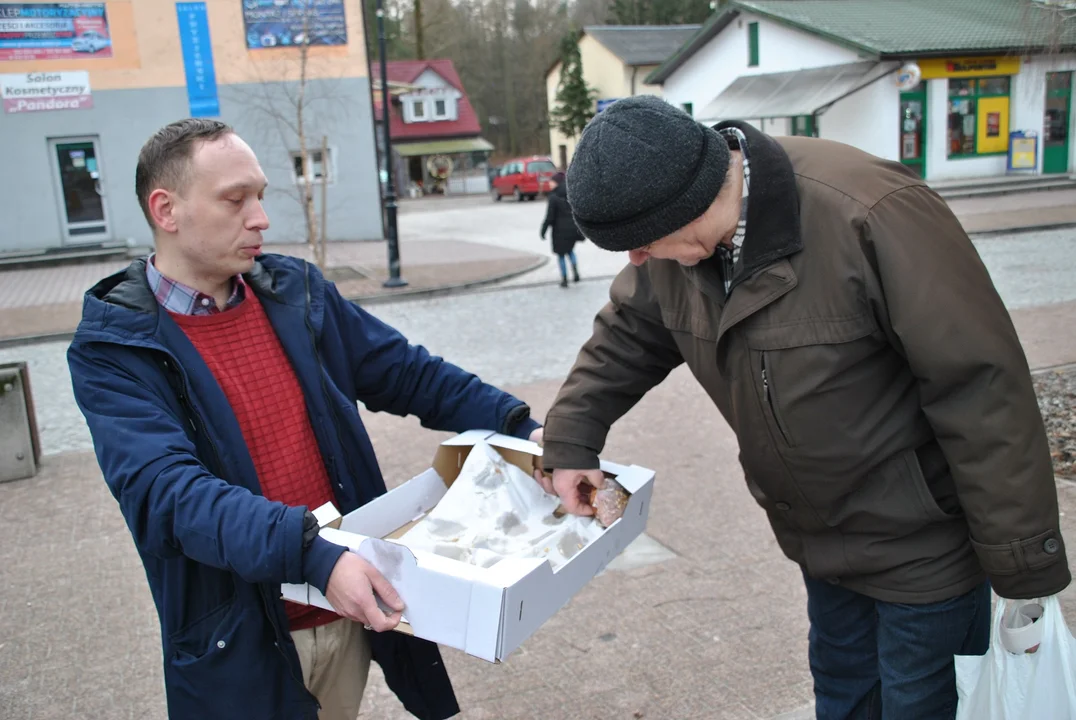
[449, 289]
[417, 294]
[1022, 229]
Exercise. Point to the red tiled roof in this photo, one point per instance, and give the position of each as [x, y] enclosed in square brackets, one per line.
[406, 71]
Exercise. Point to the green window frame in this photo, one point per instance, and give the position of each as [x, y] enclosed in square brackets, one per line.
[963, 113]
[802, 125]
[689, 108]
[752, 44]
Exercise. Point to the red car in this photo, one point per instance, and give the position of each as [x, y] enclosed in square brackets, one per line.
[524, 178]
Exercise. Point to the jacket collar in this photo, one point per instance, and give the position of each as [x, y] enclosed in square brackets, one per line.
[122, 307]
[773, 208]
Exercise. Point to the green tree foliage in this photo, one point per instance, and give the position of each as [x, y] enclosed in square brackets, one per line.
[575, 101]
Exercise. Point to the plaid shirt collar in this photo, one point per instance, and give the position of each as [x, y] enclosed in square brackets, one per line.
[738, 141]
[175, 297]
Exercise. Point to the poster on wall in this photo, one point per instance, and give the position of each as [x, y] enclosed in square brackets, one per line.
[53, 31]
[285, 23]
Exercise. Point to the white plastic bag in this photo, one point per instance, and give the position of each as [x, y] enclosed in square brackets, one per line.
[1010, 683]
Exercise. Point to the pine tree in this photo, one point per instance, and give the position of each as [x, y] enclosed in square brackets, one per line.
[575, 101]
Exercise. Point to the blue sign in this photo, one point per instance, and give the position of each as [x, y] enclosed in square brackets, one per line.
[198, 59]
[1023, 150]
[285, 23]
[602, 104]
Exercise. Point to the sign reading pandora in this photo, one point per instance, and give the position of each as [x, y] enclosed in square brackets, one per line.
[42, 91]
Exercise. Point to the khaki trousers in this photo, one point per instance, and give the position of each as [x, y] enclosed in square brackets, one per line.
[336, 662]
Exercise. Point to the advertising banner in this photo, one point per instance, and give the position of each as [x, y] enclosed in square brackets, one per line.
[285, 23]
[198, 59]
[53, 31]
[43, 91]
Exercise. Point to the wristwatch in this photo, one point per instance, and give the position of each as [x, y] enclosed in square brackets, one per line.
[310, 529]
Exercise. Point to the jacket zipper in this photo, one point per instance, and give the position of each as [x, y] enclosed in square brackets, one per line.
[196, 421]
[769, 400]
[324, 391]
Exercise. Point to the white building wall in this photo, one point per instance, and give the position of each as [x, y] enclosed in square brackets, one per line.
[868, 119]
[1029, 99]
[780, 49]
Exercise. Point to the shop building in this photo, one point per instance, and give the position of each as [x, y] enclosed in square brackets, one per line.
[86, 83]
[958, 89]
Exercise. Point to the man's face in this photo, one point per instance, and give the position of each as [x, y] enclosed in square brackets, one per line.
[699, 239]
[218, 215]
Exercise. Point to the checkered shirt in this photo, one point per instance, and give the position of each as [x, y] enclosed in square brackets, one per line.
[737, 140]
[178, 298]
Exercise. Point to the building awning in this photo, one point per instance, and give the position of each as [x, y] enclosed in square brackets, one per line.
[789, 94]
[442, 147]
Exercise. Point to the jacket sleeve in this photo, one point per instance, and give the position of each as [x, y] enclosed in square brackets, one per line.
[391, 375]
[944, 315]
[172, 504]
[550, 215]
[629, 352]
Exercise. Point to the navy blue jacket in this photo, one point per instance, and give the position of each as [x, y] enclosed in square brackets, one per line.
[214, 549]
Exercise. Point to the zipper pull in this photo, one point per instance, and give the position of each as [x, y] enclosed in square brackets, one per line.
[765, 380]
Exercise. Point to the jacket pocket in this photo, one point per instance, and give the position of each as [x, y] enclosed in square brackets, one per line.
[207, 633]
[884, 520]
[770, 401]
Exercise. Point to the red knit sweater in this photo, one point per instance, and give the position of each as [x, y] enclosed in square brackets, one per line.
[245, 356]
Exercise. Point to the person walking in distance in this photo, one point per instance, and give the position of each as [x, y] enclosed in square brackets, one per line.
[558, 217]
[220, 386]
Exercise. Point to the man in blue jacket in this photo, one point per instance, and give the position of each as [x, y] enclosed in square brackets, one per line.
[221, 388]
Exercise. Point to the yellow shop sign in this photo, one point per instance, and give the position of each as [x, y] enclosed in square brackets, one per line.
[968, 67]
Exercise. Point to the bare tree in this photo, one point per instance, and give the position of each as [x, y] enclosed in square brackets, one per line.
[291, 100]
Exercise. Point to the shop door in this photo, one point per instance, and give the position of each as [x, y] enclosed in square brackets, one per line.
[1055, 132]
[83, 216]
[913, 129]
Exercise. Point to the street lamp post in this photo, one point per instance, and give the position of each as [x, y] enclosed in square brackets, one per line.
[394, 280]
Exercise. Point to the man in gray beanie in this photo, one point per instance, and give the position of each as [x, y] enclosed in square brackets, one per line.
[835, 311]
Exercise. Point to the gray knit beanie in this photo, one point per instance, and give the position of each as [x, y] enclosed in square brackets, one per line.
[642, 170]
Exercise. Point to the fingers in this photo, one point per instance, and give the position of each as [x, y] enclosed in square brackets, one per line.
[545, 481]
[374, 617]
[384, 590]
[573, 487]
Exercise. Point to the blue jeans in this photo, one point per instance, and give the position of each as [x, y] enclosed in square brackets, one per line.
[874, 660]
[563, 267]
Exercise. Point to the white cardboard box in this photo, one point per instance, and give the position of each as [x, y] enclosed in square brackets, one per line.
[486, 612]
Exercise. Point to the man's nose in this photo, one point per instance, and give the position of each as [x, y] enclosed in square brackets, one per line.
[637, 257]
[258, 219]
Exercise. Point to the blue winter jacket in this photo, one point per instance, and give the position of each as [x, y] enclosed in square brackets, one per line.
[215, 550]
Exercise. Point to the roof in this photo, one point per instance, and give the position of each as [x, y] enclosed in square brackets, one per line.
[908, 28]
[641, 44]
[915, 27]
[442, 147]
[406, 72]
[789, 94]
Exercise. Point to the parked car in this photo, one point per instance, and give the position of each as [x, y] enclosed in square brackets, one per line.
[524, 178]
[90, 42]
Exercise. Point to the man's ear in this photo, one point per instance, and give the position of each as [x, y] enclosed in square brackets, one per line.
[162, 209]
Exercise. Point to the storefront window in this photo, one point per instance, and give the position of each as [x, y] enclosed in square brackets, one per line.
[978, 116]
